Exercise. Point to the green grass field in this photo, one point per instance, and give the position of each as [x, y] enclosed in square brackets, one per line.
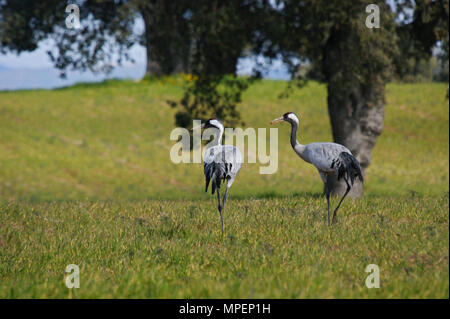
[86, 179]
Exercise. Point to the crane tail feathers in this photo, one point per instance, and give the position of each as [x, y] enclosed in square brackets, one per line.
[349, 168]
[213, 185]
[207, 183]
[214, 173]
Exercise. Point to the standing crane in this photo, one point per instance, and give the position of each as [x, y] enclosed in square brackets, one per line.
[221, 163]
[328, 158]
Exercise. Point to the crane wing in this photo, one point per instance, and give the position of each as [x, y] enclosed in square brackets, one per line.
[221, 162]
[334, 158]
[323, 155]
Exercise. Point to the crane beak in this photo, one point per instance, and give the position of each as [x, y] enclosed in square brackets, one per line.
[197, 127]
[278, 120]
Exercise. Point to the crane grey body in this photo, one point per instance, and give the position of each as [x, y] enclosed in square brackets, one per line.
[221, 164]
[328, 158]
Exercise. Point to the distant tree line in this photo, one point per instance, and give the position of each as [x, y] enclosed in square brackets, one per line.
[205, 38]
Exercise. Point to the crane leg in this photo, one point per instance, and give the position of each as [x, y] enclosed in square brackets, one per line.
[327, 194]
[219, 206]
[223, 208]
[346, 192]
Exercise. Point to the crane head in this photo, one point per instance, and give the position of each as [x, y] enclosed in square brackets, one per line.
[214, 123]
[287, 117]
[211, 123]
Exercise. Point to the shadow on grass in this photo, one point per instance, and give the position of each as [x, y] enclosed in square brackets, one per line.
[258, 196]
[273, 195]
[98, 84]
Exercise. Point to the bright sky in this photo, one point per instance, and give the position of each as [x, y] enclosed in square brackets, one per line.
[39, 59]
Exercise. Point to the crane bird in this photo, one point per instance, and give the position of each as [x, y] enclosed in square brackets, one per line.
[221, 163]
[328, 158]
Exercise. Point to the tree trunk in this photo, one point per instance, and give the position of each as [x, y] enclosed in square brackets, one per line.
[153, 66]
[356, 107]
[357, 120]
[166, 39]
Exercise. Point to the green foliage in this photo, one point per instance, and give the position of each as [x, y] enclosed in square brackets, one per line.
[221, 32]
[167, 35]
[103, 40]
[24, 23]
[325, 32]
[430, 23]
[207, 97]
[420, 26]
[419, 70]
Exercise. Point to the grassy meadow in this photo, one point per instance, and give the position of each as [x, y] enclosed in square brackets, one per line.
[86, 178]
